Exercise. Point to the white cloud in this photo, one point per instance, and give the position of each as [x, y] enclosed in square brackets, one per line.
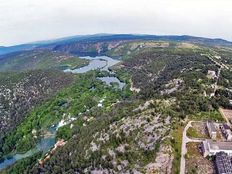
[30, 20]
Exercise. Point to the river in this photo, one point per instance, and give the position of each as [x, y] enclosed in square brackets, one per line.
[102, 63]
[46, 143]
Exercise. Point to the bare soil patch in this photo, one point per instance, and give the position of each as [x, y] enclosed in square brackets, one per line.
[196, 163]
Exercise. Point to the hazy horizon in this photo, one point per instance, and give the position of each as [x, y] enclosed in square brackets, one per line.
[38, 20]
[66, 37]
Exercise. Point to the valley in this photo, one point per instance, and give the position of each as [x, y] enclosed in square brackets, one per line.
[119, 105]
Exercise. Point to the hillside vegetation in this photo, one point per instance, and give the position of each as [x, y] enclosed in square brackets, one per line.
[69, 103]
[134, 130]
[20, 92]
[39, 59]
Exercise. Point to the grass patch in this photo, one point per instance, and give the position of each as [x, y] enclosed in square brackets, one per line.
[214, 115]
[176, 143]
[193, 133]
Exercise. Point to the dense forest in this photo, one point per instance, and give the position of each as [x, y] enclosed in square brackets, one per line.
[21, 92]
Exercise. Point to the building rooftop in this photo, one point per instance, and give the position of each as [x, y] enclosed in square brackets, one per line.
[219, 145]
[223, 163]
[211, 126]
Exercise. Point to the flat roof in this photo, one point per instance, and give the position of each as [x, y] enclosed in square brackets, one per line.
[219, 145]
[211, 126]
[223, 163]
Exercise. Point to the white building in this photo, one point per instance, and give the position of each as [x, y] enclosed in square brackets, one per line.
[211, 148]
[212, 130]
[211, 74]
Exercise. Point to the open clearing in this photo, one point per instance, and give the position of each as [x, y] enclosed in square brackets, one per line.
[195, 162]
[198, 130]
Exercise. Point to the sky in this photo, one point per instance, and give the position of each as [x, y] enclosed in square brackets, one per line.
[23, 21]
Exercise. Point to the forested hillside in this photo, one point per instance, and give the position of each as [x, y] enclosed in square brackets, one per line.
[20, 92]
[136, 129]
[170, 82]
[39, 59]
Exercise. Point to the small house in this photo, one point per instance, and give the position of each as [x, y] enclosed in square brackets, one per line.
[212, 130]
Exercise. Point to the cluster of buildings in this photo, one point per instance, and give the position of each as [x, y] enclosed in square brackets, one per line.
[225, 129]
[222, 150]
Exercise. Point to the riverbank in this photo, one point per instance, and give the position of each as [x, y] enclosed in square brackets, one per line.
[72, 101]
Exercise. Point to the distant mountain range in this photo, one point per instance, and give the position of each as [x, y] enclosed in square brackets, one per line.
[111, 37]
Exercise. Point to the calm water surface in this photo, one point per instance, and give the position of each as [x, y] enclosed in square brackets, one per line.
[99, 62]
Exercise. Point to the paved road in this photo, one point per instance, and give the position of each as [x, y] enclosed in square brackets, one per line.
[216, 83]
[222, 65]
[185, 140]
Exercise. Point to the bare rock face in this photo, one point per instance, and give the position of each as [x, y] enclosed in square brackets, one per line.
[163, 161]
[134, 136]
